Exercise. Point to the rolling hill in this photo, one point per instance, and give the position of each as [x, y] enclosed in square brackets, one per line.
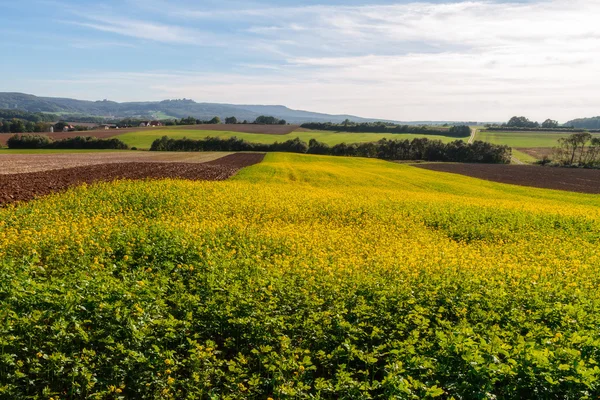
[585, 123]
[172, 108]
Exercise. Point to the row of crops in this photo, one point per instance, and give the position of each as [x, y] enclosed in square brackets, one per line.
[304, 277]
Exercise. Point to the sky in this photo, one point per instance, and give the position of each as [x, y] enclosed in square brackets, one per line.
[400, 60]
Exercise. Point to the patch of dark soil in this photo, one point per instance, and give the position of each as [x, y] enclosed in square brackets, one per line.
[568, 179]
[28, 186]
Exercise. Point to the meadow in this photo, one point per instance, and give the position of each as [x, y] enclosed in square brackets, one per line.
[303, 277]
[522, 139]
[143, 139]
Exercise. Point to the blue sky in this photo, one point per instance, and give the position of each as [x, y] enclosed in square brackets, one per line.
[442, 60]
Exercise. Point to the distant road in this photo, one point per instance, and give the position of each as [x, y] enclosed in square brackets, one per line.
[515, 160]
[473, 134]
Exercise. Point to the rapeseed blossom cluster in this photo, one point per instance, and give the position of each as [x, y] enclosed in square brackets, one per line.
[302, 277]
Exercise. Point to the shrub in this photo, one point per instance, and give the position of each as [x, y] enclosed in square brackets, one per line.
[79, 142]
[28, 142]
[89, 142]
[383, 127]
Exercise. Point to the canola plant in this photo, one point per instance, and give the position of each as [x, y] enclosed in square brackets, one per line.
[303, 277]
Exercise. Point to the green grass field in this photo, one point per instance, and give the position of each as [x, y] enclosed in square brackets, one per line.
[523, 157]
[522, 139]
[303, 277]
[144, 139]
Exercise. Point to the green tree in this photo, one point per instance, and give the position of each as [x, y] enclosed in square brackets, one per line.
[550, 124]
[231, 120]
[266, 120]
[571, 146]
[17, 126]
[522, 122]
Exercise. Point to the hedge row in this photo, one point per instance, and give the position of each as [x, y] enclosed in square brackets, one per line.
[79, 142]
[417, 149]
[379, 127]
[517, 129]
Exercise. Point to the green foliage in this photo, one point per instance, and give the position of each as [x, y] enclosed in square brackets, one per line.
[266, 120]
[28, 142]
[550, 123]
[521, 122]
[303, 278]
[26, 116]
[578, 150]
[381, 127]
[585, 123]
[79, 142]
[417, 149]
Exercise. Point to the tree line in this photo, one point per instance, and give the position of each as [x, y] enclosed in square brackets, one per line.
[27, 116]
[383, 127]
[592, 123]
[79, 142]
[416, 149]
[20, 126]
[261, 120]
[523, 124]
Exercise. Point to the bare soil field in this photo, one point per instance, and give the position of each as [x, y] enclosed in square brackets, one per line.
[568, 179]
[23, 163]
[24, 187]
[243, 128]
[536, 152]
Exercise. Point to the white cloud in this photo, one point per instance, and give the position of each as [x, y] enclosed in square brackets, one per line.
[147, 30]
[468, 60]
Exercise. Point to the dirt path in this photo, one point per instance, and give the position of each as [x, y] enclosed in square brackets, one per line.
[473, 135]
[569, 179]
[515, 160]
[24, 187]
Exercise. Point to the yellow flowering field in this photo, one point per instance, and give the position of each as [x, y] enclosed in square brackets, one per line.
[303, 277]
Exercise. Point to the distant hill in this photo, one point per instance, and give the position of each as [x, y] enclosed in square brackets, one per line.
[585, 123]
[77, 110]
[163, 109]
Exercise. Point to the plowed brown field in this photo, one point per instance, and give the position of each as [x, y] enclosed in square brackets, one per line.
[22, 163]
[569, 179]
[24, 187]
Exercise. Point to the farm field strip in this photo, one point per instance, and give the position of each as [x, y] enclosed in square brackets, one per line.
[44, 160]
[568, 179]
[302, 277]
[28, 186]
[523, 156]
[144, 139]
[523, 139]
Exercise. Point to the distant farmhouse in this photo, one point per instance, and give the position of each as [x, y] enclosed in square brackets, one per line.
[151, 124]
[109, 126]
